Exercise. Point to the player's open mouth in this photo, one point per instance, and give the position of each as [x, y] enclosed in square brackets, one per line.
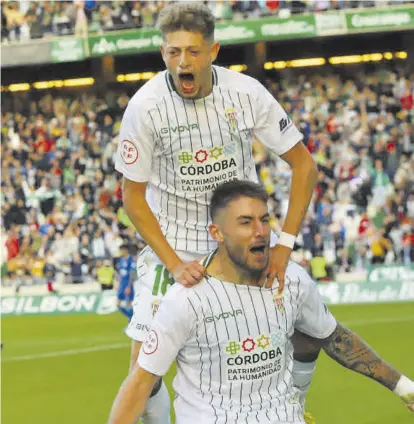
[258, 249]
[187, 82]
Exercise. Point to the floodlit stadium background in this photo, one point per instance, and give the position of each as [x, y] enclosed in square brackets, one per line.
[344, 71]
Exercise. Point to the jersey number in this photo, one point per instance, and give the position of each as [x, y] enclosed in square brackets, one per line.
[163, 278]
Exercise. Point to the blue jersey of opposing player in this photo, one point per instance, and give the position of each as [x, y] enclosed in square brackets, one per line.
[125, 269]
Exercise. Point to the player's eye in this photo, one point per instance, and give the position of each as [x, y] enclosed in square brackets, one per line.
[266, 220]
[194, 52]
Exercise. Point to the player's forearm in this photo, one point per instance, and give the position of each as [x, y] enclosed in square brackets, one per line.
[349, 350]
[130, 401]
[148, 227]
[304, 177]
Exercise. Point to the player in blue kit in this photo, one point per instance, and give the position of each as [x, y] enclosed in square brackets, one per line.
[125, 294]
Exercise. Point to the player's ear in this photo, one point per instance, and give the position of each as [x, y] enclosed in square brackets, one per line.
[162, 48]
[215, 232]
[215, 47]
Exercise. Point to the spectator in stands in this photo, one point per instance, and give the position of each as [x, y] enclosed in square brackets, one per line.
[14, 18]
[51, 18]
[105, 273]
[81, 25]
[76, 272]
[59, 188]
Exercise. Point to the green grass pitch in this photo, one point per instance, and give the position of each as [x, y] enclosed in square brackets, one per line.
[66, 369]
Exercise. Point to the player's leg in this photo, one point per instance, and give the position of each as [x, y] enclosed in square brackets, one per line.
[151, 286]
[304, 362]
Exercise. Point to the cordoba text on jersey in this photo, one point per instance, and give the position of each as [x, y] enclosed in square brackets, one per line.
[209, 168]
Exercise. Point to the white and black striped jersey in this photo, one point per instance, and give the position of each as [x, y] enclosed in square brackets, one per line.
[185, 148]
[233, 349]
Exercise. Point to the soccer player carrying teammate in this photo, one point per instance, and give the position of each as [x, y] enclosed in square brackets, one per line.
[184, 132]
[231, 336]
[125, 292]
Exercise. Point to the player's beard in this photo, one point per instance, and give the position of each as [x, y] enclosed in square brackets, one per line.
[240, 257]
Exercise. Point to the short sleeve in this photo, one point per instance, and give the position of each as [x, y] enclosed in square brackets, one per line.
[171, 327]
[273, 126]
[314, 318]
[136, 144]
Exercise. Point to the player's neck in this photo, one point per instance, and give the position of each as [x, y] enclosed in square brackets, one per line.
[223, 268]
[205, 90]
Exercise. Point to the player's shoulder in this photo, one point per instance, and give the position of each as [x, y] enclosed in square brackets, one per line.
[297, 277]
[151, 92]
[236, 81]
[186, 300]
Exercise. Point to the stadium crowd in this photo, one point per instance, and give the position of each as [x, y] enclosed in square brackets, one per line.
[61, 198]
[23, 20]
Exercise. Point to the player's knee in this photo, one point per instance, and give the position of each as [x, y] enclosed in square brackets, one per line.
[305, 348]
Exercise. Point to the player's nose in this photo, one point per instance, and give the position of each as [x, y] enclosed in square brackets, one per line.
[184, 61]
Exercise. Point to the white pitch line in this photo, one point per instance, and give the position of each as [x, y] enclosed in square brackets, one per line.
[66, 352]
[390, 320]
[101, 348]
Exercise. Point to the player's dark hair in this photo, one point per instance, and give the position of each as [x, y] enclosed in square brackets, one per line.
[225, 193]
[191, 16]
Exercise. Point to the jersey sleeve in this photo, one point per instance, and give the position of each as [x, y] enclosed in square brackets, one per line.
[136, 144]
[273, 126]
[313, 318]
[171, 327]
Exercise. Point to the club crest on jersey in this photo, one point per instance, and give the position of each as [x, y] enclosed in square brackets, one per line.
[231, 118]
[278, 301]
[155, 306]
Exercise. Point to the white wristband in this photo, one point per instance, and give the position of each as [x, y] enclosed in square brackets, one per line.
[287, 240]
[404, 386]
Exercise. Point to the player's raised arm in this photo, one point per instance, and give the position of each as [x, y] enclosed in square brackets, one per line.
[349, 350]
[275, 130]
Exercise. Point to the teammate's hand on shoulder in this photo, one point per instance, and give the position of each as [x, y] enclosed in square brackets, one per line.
[278, 261]
[188, 273]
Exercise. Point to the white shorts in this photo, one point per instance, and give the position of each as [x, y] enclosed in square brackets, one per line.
[153, 281]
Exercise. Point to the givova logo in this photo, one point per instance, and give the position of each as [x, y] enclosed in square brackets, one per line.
[224, 315]
[179, 129]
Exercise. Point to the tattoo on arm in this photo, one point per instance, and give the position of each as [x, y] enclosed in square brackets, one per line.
[349, 350]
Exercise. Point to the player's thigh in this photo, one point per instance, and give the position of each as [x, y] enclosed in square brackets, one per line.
[305, 348]
[153, 281]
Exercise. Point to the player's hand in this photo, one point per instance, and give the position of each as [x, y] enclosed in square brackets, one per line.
[278, 260]
[188, 273]
[409, 401]
[127, 290]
